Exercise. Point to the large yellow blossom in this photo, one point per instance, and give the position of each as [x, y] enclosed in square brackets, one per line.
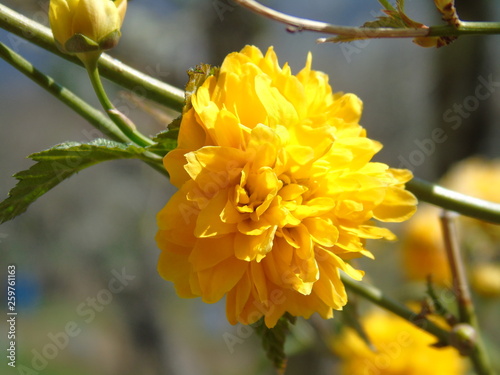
[276, 192]
[400, 348]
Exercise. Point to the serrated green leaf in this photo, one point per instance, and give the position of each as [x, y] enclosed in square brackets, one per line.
[57, 164]
[273, 340]
[164, 147]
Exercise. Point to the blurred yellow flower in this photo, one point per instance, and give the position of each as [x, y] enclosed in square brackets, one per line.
[423, 247]
[400, 349]
[485, 279]
[276, 192]
[475, 176]
[480, 178]
[86, 26]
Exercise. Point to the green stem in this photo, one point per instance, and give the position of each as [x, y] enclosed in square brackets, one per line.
[466, 28]
[125, 125]
[377, 297]
[89, 113]
[453, 201]
[110, 68]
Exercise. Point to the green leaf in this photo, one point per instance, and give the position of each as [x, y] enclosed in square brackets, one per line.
[273, 340]
[57, 164]
[386, 4]
[166, 140]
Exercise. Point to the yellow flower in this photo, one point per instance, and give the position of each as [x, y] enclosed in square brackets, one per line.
[86, 26]
[400, 349]
[276, 192]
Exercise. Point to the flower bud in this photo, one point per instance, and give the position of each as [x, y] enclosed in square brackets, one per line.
[464, 338]
[444, 5]
[86, 26]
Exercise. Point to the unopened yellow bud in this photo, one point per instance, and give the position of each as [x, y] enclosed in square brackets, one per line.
[448, 10]
[86, 26]
[444, 5]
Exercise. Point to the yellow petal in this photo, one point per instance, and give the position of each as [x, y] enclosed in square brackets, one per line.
[300, 154]
[398, 205]
[292, 191]
[249, 248]
[368, 231]
[237, 298]
[260, 281]
[61, 14]
[209, 223]
[174, 163]
[322, 231]
[279, 110]
[174, 266]
[208, 252]
[214, 168]
[253, 228]
[216, 281]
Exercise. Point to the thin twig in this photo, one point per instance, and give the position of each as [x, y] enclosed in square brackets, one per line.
[449, 13]
[470, 338]
[299, 24]
[460, 286]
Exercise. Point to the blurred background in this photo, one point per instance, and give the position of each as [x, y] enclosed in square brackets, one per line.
[99, 226]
